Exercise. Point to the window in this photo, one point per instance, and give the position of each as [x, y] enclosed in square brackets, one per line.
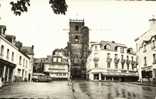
[153, 44]
[121, 56]
[122, 66]
[76, 59]
[96, 65]
[127, 57]
[144, 50]
[107, 47]
[76, 27]
[132, 58]
[122, 61]
[116, 55]
[154, 58]
[108, 55]
[116, 48]
[64, 74]
[108, 60]
[145, 61]
[76, 38]
[54, 59]
[23, 62]
[2, 50]
[19, 71]
[95, 47]
[60, 74]
[12, 56]
[128, 62]
[121, 49]
[116, 60]
[108, 64]
[59, 60]
[7, 54]
[20, 60]
[26, 64]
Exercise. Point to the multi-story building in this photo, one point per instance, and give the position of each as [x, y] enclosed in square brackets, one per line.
[58, 68]
[15, 64]
[78, 48]
[111, 61]
[38, 66]
[146, 53]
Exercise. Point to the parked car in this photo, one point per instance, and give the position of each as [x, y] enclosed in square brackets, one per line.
[39, 77]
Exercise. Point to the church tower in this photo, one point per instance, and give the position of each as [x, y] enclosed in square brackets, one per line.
[78, 48]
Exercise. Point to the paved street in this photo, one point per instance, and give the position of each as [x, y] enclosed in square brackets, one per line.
[79, 90]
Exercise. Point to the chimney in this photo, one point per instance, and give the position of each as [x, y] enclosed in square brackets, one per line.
[19, 45]
[11, 39]
[2, 30]
[32, 47]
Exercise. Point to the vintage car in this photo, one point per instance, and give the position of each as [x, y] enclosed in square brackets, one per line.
[39, 77]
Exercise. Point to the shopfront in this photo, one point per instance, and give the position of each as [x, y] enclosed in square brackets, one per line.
[6, 71]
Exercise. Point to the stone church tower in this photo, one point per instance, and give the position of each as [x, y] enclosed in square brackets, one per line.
[78, 48]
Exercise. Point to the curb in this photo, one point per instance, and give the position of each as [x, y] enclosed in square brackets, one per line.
[152, 85]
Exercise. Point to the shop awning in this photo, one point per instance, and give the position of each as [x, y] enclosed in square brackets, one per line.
[7, 63]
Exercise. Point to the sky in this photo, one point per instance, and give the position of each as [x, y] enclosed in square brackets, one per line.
[109, 20]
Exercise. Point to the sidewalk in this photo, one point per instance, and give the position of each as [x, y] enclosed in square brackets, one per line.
[145, 83]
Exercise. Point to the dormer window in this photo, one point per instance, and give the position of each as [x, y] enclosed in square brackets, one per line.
[107, 47]
[121, 49]
[59, 60]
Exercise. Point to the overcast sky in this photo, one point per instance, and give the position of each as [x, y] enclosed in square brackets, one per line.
[108, 20]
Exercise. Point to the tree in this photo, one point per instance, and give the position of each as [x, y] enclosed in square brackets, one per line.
[58, 6]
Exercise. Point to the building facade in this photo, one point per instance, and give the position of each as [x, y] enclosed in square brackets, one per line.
[146, 52]
[15, 64]
[111, 61]
[58, 68]
[78, 48]
[38, 66]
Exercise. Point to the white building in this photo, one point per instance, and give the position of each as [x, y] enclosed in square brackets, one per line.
[59, 66]
[111, 61]
[146, 52]
[15, 64]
